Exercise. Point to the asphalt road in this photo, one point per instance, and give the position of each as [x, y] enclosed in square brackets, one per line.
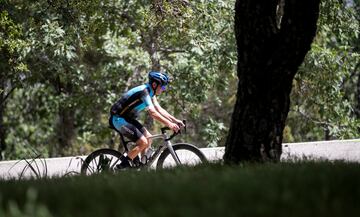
[346, 150]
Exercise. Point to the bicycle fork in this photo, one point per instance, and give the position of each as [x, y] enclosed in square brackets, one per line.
[173, 153]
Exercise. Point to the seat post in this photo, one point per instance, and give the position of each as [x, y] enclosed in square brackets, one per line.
[124, 143]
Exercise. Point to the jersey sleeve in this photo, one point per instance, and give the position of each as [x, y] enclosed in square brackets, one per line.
[146, 99]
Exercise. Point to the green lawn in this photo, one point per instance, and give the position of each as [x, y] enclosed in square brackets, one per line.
[285, 189]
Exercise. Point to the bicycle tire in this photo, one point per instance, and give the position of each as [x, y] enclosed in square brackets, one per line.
[86, 166]
[201, 158]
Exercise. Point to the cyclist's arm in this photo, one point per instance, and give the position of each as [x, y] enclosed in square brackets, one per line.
[162, 111]
[157, 116]
[154, 113]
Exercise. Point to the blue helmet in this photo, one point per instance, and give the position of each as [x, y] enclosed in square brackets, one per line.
[160, 77]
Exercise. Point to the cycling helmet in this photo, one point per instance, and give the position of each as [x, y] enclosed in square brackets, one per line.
[160, 77]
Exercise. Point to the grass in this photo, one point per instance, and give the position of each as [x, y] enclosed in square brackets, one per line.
[284, 189]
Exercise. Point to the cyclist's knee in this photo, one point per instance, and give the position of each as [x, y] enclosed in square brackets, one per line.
[148, 135]
[148, 143]
[143, 142]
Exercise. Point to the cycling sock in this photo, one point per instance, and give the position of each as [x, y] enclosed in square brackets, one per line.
[127, 161]
[136, 160]
[124, 158]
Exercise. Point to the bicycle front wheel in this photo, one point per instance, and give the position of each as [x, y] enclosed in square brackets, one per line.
[102, 160]
[187, 154]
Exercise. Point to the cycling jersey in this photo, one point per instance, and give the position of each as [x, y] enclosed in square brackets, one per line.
[133, 101]
[127, 108]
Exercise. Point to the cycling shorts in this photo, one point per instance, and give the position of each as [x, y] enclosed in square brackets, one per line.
[130, 128]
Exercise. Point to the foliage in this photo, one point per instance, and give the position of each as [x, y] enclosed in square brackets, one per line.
[12, 51]
[70, 60]
[11, 45]
[323, 96]
[83, 55]
[211, 131]
[31, 208]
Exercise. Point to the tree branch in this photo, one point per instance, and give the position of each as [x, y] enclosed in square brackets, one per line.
[167, 51]
[353, 73]
[7, 95]
[323, 124]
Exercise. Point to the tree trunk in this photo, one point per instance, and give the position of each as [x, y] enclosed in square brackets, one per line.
[327, 136]
[2, 127]
[66, 122]
[66, 129]
[269, 54]
[357, 109]
[357, 106]
[151, 45]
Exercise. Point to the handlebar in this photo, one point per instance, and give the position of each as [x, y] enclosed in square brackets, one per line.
[164, 129]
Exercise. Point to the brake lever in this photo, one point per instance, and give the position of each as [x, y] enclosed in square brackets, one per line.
[175, 133]
[172, 136]
[164, 129]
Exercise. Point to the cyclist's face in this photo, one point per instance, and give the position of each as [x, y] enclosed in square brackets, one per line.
[160, 89]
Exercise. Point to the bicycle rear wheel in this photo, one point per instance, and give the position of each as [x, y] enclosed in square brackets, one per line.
[101, 160]
[188, 155]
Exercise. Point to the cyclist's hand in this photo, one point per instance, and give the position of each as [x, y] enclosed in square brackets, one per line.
[180, 123]
[174, 127]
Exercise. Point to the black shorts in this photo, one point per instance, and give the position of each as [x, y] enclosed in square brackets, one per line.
[130, 128]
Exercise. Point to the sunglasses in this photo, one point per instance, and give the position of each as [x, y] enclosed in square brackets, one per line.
[163, 87]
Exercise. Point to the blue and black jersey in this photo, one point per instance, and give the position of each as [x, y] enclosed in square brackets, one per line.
[133, 101]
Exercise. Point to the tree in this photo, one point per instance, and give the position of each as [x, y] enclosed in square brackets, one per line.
[272, 39]
[11, 65]
[357, 68]
[324, 94]
[82, 54]
[64, 49]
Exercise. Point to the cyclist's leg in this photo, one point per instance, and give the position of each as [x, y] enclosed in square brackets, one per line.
[117, 122]
[133, 130]
[147, 134]
[128, 130]
[143, 143]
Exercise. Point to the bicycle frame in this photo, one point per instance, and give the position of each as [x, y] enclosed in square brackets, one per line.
[161, 154]
[166, 144]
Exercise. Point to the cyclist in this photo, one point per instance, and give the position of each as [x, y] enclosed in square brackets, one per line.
[124, 112]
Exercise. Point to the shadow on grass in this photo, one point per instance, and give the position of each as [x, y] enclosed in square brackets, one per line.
[251, 189]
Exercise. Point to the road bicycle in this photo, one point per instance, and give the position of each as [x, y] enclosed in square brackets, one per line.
[165, 155]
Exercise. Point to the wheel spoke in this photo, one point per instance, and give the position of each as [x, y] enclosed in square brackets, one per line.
[94, 166]
[185, 157]
[101, 160]
[188, 155]
[114, 164]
